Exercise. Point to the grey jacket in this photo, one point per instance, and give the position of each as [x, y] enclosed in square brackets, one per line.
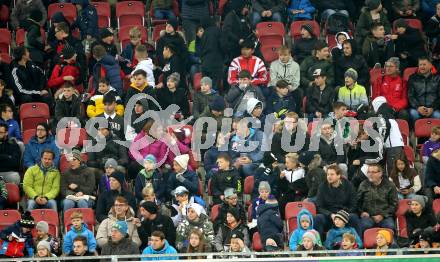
[285, 71]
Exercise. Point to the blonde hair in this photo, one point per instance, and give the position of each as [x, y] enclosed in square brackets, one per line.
[147, 190]
[436, 130]
[350, 237]
[293, 157]
[135, 33]
[76, 214]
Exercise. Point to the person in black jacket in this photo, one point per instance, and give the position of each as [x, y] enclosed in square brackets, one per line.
[116, 123]
[329, 148]
[226, 177]
[68, 105]
[410, 45]
[152, 221]
[87, 19]
[267, 171]
[432, 30]
[33, 40]
[212, 55]
[377, 48]
[321, 97]
[108, 65]
[172, 95]
[10, 156]
[170, 36]
[270, 226]
[267, 10]
[173, 64]
[57, 18]
[281, 101]
[230, 202]
[304, 46]
[419, 218]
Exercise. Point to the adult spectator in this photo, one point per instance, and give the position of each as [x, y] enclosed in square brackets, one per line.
[34, 41]
[329, 7]
[6, 94]
[279, 103]
[41, 183]
[152, 221]
[119, 242]
[267, 10]
[116, 122]
[170, 36]
[128, 60]
[80, 249]
[392, 87]
[10, 155]
[230, 202]
[145, 63]
[432, 30]
[432, 181]
[215, 111]
[159, 245]
[107, 40]
[173, 64]
[28, 79]
[69, 104]
[7, 118]
[377, 200]
[182, 176]
[320, 59]
[87, 19]
[211, 52]
[300, 10]
[193, 12]
[304, 46]
[23, 9]
[353, 94]
[406, 9]
[78, 184]
[377, 47]
[423, 91]
[106, 200]
[57, 18]
[410, 45]
[334, 194]
[66, 70]
[41, 141]
[107, 65]
[351, 58]
[21, 229]
[321, 97]
[372, 13]
[204, 97]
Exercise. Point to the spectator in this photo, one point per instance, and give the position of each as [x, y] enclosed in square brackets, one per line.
[329, 7]
[215, 111]
[372, 13]
[377, 200]
[41, 183]
[6, 95]
[384, 240]
[334, 235]
[159, 245]
[300, 10]
[320, 59]
[150, 175]
[139, 85]
[173, 64]
[410, 45]
[120, 243]
[57, 18]
[281, 101]
[10, 155]
[43, 250]
[212, 56]
[87, 19]
[42, 140]
[264, 191]
[34, 41]
[7, 118]
[304, 46]
[226, 177]
[78, 228]
[121, 211]
[19, 230]
[107, 40]
[340, 38]
[329, 148]
[230, 203]
[80, 249]
[183, 198]
[267, 10]
[352, 93]
[432, 30]
[3, 193]
[204, 97]
[145, 63]
[69, 104]
[127, 59]
[315, 173]
[162, 9]
[419, 218]
[270, 225]
[432, 181]
[110, 167]
[311, 242]
[182, 176]
[320, 99]
[432, 144]
[106, 200]
[195, 52]
[133, 129]
[230, 226]
[268, 171]
[377, 47]
[351, 58]
[42, 229]
[150, 196]
[406, 9]
[115, 122]
[170, 36]
[152, 221]
[304, 223]
[172, 95]
[197, 243]
[66, 70]
[285, 68]
[196, 218]
[423, 94]
[106, 67]
[348, 245]
[23, 10]
[96, 103]
[405, 178]
[78, 184]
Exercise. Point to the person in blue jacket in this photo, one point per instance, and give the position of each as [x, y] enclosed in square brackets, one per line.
[159, 246]
[78, 228]
[334, 235]
[300, 10]
[7, 117]
[42, 140]
[22, 229]
[87, 20]
[108, 65]
[182, 176]
[305, 223]
[150, 174]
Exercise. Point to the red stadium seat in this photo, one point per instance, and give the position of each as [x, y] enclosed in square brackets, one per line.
[48, 215]
[409, 153]
[404, 205]
[375, 73]
[256, 242]
[88, 218]
[33, 113]
[215, 210]
[69, 11]
[436, 206]
[292, 211]
[104, 14]
[414, 23]
[130, 13]
[5, 41]
[209, 187]
[295, 28]
[8, 217]
[196, 81]
[64, 161]
[124, 35]
[271, 33]
[423, 128]
[408, 72]
[404, 129]
[370, 236]
[4, 13]
[6, 58]
[155, 21]
[221, 7]
[249, 213]
[13, 194]
[27, 135]
[248, 189]
[270, 52]
[20, 36]
[71, 137]
[156, 32]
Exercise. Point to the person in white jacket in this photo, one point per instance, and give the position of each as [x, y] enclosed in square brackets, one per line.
[145, 63]
[285, 68]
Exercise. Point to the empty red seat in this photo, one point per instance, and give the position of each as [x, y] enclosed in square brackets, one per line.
[5, 41]
[104, 14]
[124, 35]
[5, 58]
[8, 217]
[196, 81]
[271, 33]
[130, 13]
[408, 72]
[270, 52]
[13, 194]
[436, 206]
[256, 242]
[68, 10]
[33, 113]
[156, 32]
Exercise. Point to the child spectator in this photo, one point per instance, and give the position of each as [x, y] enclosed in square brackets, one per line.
[145, 63]
[78, 227]
[183, 198]
[87, 19]
[106, 67]
[96, 102]
[432, 171]
[204, 97]
[432, 144]
[282, 101]
[285, 68]
[267, 171]
[42, 228]
[419, 218]
[334, 235]
[340, 37]
[226, 177]
[198, 244]
[321, 96]
[311, 242]
[305, 223]
[348, 244]
[237, 243]
[405, 178]
[127, 58]
[264, 194]
[352, 94]
[150, 175]
[230, 202]
[138, 85]
[110, 167]
[80, 248]
[19, 231]
[43, 250]
[254, 110]
[68, 104]
[67, 70]
[172, 94]
[384, 239]
[231, 225]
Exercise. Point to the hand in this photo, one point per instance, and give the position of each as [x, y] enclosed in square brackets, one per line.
[356, 162]
[302, 11]
[43, 200]
[377, 219]
[160, 85]
[79, 194]
[437, 190]
[222, 197]
[68, 78]
[240, 41]
[401, 13]
[73, 186]
[269, 13]
[409, 12]
[283, 174]
[429, 111]
[403, 56]
[394, 37]
[47, 47]
[404, 191]
[295, 12]
[44, 92]
[263, 14]
[365, 214]
[10, 238]
[318, 114]
[137, 221]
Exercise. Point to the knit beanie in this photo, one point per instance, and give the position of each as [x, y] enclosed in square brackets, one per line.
[68, 52]
[308, 28]
[121, 226]
[173, 22]
[151, 207]
[43, 244]
[343, 215]
[306, 157]
[206, 81]
[27, 220]
[421, 200]
[304, 217]
[76, 154]
[120, 177]
[182, 160]
[234, 213]
[372, 4]
[174, 77]
[43, 226]
[401, 23]
[311, 235]
[105, 32]
[111, 162]
[150, 158]
[386, 234]
[264, 185]
[36, 15]
[351, 73]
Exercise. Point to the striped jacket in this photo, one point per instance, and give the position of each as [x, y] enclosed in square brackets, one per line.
[252, 64]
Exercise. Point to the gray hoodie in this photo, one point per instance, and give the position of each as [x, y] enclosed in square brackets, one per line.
[285, 71]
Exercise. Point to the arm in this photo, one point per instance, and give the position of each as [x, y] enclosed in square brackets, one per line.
[67, 243]
[293, 241]
[296, 76]
[192, 183]
[411, 93]
[28, 183]
[91, 241]
[19, 85]
[88, 188]
[233, 73]
[215, 187]
[218, 240]
[392, 202]
[55, 187]
[261, 76]
[43, 12]
[93, 22]
[417, 184]
[101, 234]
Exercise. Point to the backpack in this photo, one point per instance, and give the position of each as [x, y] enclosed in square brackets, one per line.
[337, 22]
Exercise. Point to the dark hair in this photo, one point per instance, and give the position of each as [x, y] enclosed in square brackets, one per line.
[375, 25]
[3, 107]
[171, 47]
[2, 83]
[338, 104]
[336, 168]
[45, 125]
[320, 45]
[109, 98]
[376, 165]
[5, 126]
[158, 234]
[139, 72]
[407, 172]
[68, 84]
[103, 80]
[19, 52]
[282, 83]
[99, 51]
[48, 150]
[81, 238]
[63, 27]
[224, 156]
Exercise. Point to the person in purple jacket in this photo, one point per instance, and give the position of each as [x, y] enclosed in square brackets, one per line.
[431, 144]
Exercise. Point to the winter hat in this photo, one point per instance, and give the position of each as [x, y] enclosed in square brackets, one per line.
[36, 15]
[151, 207]
[43, 244]
[217, 104]
[229, 192]
[182, 160]
[372, 4]
[305, 217]
[308, 28]
[150, 158]
[311, 235]
[119, 176]
[76, 154]
[343, 215]
[237, 234]
[180, 190]
[197, 208]
[351, 73]
[111, 162]
[206, 81]
[234, 213]
[105, 32]
[306, 157]
[68, 52]
[175, 77]
[252, 103]
[43, 226]
[401, 23]
[421, 200]
[264, 185]
[268, 159]
[378, 102]
[27, 220]
[395, 61]
[121, 226]
[386, 234]
[318, 72]
[58, 17]
[173, 22]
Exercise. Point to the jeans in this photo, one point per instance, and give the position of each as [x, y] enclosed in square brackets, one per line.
[415, 114]
[68, 204]
[409, 196]
[328, 12]
[189, 29]
[164, 14]
[367, 222]
[52, 204]
[323, 223]
[256, 18]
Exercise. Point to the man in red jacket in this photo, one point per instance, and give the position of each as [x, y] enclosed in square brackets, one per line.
[66, 71]
[393, 88]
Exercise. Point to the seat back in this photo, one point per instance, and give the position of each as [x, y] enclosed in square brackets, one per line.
[292, 210]
[8, 217]
[270, 33]
[104, 14]
[33, 113]
[64, 161]
[295, 28]
[370, 236]
[215, 210]
[404, 205]
[436, 206]
[408, 72]
[409, 153]
[88, 218]
[48, 215]
[13, 193]
[256, 242]
[248, 188]
[130, 13]
[414, 23]
[5, 41]
[404, 129]
[270, 52]
[68, 138]
[68, 10]
[27, 135]
[424, 126]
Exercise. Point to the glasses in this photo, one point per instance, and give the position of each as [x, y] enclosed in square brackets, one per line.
[120, 205]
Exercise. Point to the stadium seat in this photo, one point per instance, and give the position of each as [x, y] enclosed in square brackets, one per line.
[27, 135]
[270, 33]
[436, 206]
[13, 194]
[88, 218]
[4, 14]
[249, 213]
[104, 14]
[20, 36]
[256, 242]
[196, 81]
[156, 32]
[130, 13]
[71, 137]
[48, 215]
[221, 7]
[404, 205]
[8, 217]
[375, 73]
[408, 72]
[295, 28]
[248, 189]
[155, 21]
[64, 161]
[124, 35]
[409, 153]
[215, 210]
[33, 113]
[6, 58]
[423, 128]
[404, 129]
[414, 23]
[5, 41]
[292, 210]
[370, 236]
[270, 52]
[68, 9]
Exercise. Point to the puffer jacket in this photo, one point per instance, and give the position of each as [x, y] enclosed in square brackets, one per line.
[63, 69]
[303, 48]
[28, 249]
[309, 65]
[156, 180]
[105, 228]
[424, 91]
[320, 101]
[96, 104]
[269, 223]
[32, 151]
[305, 5]
[255, 136]
[71, 108]
[108, 67]
[225, 179]
[223, 237]
[87, 20]
[280, 106]
[83, 177]
[183, 230]
[39, 181]
[72, 233]
[393, 89]
[334, 237]
[167, 249]
[191, 182]
[353, 97]
[285, 71]
[297, 234]
[377, 200]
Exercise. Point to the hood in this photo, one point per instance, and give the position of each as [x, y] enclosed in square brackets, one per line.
[83, 3]
[341, 33]
[146, 63]
[162, 251]
[378, 102]
[58, 17]
[127, 218]
[267, 207]
[307, 213]
[251, 104]
[49, 140]
[202, 220]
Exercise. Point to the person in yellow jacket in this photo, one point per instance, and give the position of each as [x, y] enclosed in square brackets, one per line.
[96, 104]
[41, 183]
[352, 94]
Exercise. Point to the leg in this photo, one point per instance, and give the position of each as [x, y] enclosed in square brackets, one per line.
[321, 223]
[355, 223]
[249, 169]
[277, 17]
[388, 223]
[31, 205]
[68, 204]
[366, 223]
[11, 177]
[52, 204]
[189, 28]
[159, 14]
[85, 204]
[255, 19]
[169, 14]
[414, 115]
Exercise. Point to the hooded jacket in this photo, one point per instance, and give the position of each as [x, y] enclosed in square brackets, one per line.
[32, 151]
[34, 41]
[411, 43]
[224, 234]
[10, 155]
[414, 222]
[297, 234]
[87, 20]
[334, 237]
[269, 223]
[310, 64]
[285, 71]
[147, 66]
[167, 249]
[202, 101]
[27, 80]
[280, 106]
[175, 40]
[107, 199]
[73, 108]
[13, 128]
[160, 223]
[424, 91]
[22, 10]
[225, 179]
[43, 182]
[320, 100]
[432, 177]
[72, 233]
[83, 176]
[377, 200]
[253, 64]
[156, 179]
[355, 61]
[363, 26]
[302, 48]
[64, 69]
[393, 89]
[191, 182]
[28, 249]
[105, 228]
[183, 230]
[108, 67]
[305, 5]
[96, 103]
[145, 89]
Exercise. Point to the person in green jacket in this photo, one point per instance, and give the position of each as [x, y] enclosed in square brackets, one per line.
[352, 94]
[41, 183]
